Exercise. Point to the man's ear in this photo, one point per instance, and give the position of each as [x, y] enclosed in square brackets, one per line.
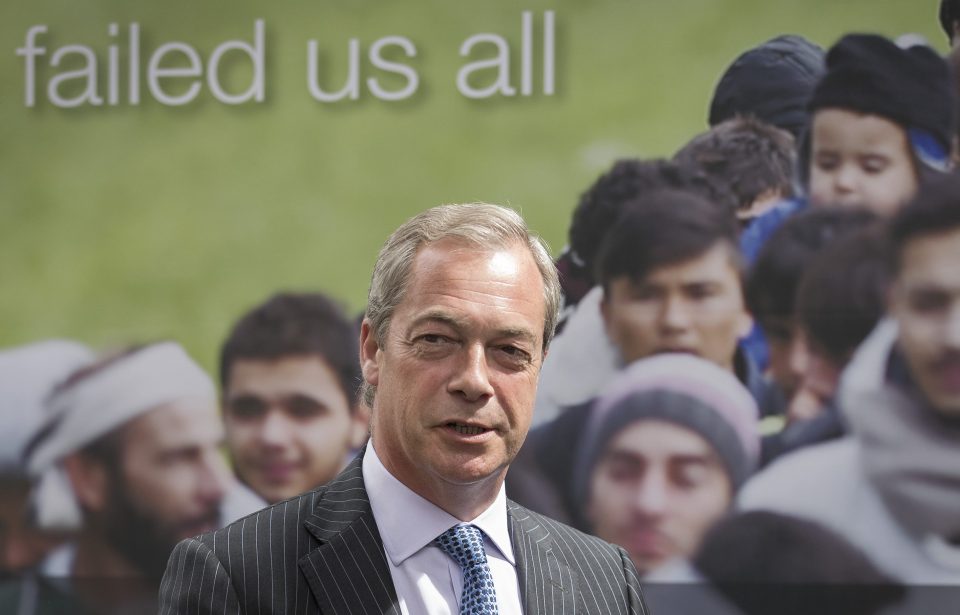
[88, 477]
[369, 354]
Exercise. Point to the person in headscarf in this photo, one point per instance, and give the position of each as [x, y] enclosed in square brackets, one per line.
[27, 376]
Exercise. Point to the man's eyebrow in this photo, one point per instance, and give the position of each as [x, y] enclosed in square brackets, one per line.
[440, 317]
[695, 458]
[518, 333]
[460, 324]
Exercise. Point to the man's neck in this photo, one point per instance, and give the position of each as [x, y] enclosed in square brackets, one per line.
[463, 501]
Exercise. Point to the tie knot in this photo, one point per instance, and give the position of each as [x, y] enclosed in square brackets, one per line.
[464, 543]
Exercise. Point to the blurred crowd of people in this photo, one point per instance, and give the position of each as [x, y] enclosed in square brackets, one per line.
[756, 376]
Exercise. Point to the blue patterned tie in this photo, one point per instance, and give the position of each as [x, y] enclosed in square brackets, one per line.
[464, 543]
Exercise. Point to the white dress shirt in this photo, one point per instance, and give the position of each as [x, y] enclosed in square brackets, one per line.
[427, 580]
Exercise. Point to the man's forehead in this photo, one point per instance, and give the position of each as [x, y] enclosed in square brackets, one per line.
[660, 439]
[175, 423]
[931, 257]
[718, 262]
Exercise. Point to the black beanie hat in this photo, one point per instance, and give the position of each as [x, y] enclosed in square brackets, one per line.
[772, 82]
[871, 74]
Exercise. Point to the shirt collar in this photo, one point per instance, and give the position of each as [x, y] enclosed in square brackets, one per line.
[394, 505]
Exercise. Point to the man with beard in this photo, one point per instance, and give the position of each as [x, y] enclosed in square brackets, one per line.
[132, 446]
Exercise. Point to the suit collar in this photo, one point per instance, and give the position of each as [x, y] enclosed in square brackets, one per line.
[348, 571]
[547, 584]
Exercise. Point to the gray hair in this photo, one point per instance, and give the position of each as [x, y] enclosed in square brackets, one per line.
[480, 224]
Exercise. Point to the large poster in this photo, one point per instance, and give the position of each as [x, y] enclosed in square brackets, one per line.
[166, 165]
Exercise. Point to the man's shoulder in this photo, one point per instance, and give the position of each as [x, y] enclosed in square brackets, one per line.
[334, 502]
[567, 539]
[282, 515]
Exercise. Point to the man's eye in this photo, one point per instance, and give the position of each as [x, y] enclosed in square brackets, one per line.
[688, 475]
[247, 408]
[433, 339]
[700, 292]
[826, 163]
[514, 355]
[928, 302]
[303, 407]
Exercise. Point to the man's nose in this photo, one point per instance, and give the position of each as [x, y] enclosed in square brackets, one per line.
[275, 429]
[675, 314]
[651, 496]
[472, 377]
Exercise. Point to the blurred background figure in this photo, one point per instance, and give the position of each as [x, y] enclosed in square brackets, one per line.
[950, 22]
[892, 486]
[581, 356]
[131, 454]
[754, 159]
[28, 374]
[670, 282]
[290, 374]
[668, 445]
[771, 82]
[882, 124]
[765, 562]
[841, 298]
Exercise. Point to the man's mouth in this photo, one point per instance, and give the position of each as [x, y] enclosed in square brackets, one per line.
[467, 430]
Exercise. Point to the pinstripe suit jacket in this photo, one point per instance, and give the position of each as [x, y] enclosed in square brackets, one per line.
[322, 553]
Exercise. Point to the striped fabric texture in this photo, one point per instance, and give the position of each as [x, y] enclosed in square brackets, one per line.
[321, 552]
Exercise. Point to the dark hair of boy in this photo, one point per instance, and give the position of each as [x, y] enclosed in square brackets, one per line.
[949, 16]
[912, 87]
[766, 562]
[773, 280]
[934, 210]
[752, 157]
[664, 228]
[602, 204]
[296, 324]
[842, 294]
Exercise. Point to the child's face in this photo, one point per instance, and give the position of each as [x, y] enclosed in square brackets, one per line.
[858, 159]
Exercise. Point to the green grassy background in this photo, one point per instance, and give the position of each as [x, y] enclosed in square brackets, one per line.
[122, 224]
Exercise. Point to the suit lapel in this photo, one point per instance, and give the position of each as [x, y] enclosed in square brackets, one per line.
[546, 584]
[348, 572]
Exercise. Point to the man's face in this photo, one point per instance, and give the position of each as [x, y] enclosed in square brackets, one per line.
[457, 373]
[926, 304]
[695, 306]
[289, 424]
[655, 491]
[170, 484]
[860, 160]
